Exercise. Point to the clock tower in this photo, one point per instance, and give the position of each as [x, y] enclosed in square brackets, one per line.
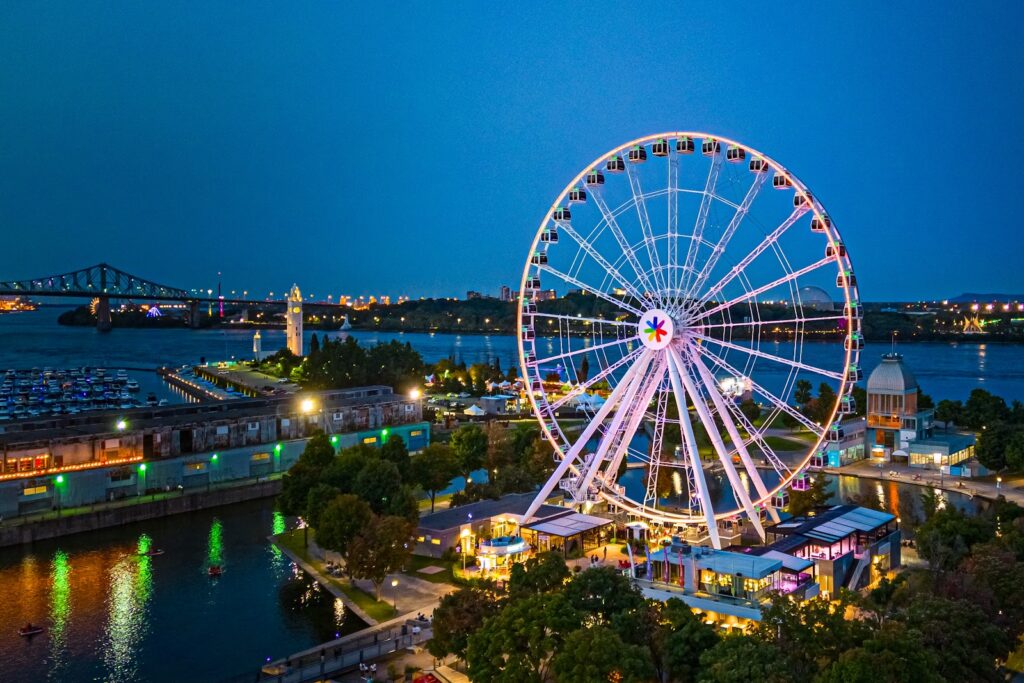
[294, 318]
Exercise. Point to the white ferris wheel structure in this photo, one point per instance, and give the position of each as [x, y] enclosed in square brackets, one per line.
[672, 276]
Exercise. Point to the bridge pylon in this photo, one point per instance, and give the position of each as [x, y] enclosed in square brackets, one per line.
[104, 322]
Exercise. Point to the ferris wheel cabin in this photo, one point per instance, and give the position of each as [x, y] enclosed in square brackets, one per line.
[684, 145]
[758, 165]
[594, 178]
[710, 147]
[615, 165]
[638, 154]
[577, 195]
[562, 214]
[660, 148]
[734, 154]
[781, 182]
[821, 224]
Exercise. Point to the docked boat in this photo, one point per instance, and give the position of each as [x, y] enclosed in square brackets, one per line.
[29, 630]
[214, 571]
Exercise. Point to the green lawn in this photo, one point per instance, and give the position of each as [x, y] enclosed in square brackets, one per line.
[417, 562]
[778, 443]
[380, 610]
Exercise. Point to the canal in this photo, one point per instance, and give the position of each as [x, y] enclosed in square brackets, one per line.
[115, 616]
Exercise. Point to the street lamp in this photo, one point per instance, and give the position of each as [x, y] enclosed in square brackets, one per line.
[394, 593]
[415, 394]
[121, 425]
[999, 481]
[307, 406]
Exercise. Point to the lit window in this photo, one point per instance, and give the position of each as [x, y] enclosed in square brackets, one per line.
[34, 490]
[370, 439]
[260, 457]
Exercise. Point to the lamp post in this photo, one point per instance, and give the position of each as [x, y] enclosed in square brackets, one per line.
[394, 593]
[999, 482]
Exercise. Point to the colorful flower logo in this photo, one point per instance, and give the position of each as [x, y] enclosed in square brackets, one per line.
[655, 330]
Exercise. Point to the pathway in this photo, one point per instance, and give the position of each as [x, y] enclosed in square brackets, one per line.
[1012, 488]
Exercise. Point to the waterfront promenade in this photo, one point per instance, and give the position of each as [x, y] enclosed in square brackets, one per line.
[1012, 488]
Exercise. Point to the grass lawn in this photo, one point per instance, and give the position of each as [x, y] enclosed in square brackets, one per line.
[778, 443]
[380, 610]
[438, 500]
[417, 562]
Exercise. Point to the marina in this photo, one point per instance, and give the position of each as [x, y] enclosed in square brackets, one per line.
[41, 392]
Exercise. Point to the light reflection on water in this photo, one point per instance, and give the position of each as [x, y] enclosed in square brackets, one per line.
[112, 614]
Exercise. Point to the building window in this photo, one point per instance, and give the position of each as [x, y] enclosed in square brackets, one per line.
[34, 490]
[253, 426]
[370, 439]
[195, 466]
[260, 457]
[416, 432]
[338, 416]
[121, 474]
[221, 431]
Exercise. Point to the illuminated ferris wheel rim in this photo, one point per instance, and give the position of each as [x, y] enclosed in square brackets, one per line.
[676, 360]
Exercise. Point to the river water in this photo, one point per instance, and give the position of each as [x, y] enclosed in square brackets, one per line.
[115, 616]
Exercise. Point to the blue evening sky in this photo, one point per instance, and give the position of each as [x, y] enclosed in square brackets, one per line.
[414, 148]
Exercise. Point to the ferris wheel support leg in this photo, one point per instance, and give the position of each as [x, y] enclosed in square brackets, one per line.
[574, 451]
[734, 434]
[716, 440]
[691, 449]
[628, 405]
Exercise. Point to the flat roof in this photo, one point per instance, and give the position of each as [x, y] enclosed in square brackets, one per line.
[565, 526]
[793, 564]
[953, 443]
[723, 561]
[511, 504]
[833, 524]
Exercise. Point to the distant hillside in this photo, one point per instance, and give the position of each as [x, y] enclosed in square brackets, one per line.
[971, 297]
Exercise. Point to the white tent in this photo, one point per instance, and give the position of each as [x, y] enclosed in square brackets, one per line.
[591, 400]
[475, 411]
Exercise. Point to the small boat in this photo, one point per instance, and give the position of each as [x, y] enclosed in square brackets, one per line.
[214, 571]
[152, 553]
[29, 630]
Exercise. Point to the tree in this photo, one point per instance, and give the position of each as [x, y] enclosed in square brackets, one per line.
[924, 401]
[682, 639]
[501, 450]
[542, 573]
[457, 617]
[515, 645]
[376, 483]
[824, 403]
[383, 547]
[949, 412]
[894, 655]
[295, 487]
[319, 452]
[983, 410]
[433, 469]
[963, 639]
[803, 502]
[750, 409]
[314, 345]
[742, 659]
[344, 517]
[993, 444]
[469, 445]
[813, 632]
[946, 537]
[602, 593]
[598, 654]
[584, 370]
[394, 451]
[316, 501]
[802, 392]
[342, 472]
[404, 503]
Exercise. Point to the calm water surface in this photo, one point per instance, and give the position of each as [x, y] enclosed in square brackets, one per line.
[114, 616]
[944, 370]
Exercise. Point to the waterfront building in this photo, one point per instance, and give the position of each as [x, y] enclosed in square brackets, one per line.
[850, 546]
[293, 316]
[898, 430]
[849, 448]
[729, 588]
[506, 293]
[500, 404]
[545, 295]
[73, 461]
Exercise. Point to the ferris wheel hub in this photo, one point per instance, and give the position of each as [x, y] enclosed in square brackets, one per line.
[656, 329]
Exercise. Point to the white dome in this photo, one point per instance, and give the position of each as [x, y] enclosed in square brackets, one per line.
[891, 376]
[816, 299]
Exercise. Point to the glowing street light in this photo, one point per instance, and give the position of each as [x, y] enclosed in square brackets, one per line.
[307, 405]
[121, 425]
[415, 394]
[394, 594]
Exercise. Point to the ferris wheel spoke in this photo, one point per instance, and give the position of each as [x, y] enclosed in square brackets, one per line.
[757, 438]
[724, 456]
[730, 230]
[773, 358]
[582, 387]
[710, 388]
[754, 253]
[610, 436]
[693, 455]
[763, 323]
[639, 410]
[660, 414]
[569, 279]
[747, 295]
[620, 238]
[571, 457]
[645, 227]
[601, 260]
[702, 218]
[584, 319]
[586, 349]
[673, 213]
[765, 394]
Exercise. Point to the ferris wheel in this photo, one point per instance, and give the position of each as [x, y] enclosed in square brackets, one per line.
[674, 295]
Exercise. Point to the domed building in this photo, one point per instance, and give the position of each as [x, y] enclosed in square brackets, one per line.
[898, 429]
[816, 299]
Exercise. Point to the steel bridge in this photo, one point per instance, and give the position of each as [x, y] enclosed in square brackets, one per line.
[105, 282]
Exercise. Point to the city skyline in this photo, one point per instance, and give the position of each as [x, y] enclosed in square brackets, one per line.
[426, 171]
